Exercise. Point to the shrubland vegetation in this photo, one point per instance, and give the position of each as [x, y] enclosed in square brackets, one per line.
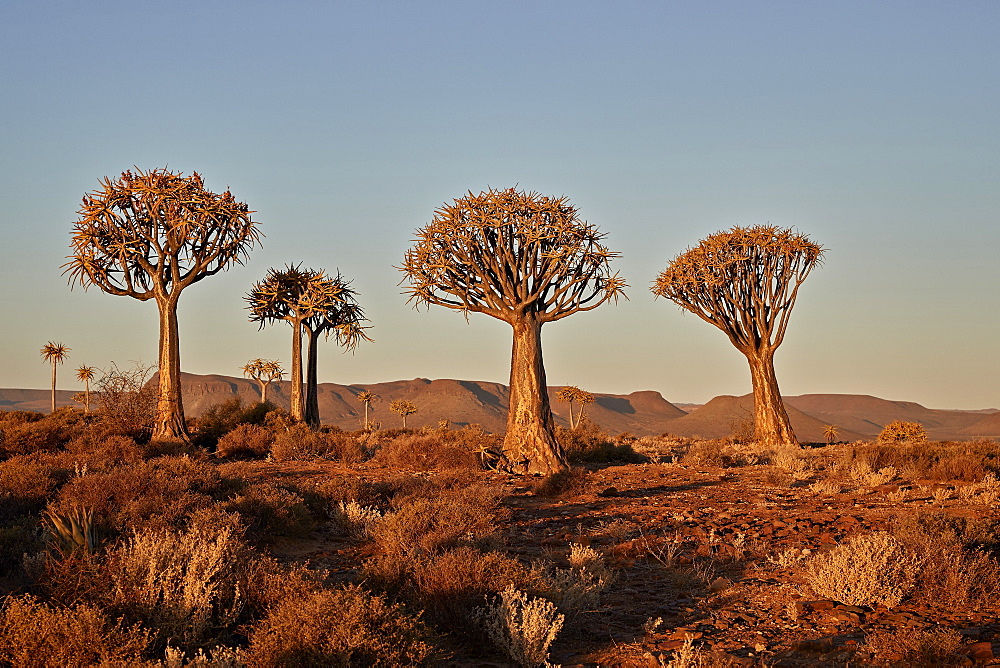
[120, 548]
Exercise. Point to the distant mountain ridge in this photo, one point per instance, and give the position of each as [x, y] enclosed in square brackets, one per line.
[642, 413]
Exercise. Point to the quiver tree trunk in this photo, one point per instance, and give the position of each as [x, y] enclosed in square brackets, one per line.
[53, 386]
[170, 422]
[312, 391]
[263, 391]
[296, 407]
[530, 444]
[771, 424]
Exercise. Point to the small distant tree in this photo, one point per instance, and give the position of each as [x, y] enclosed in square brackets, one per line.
[85, 374]
[150, 235]
[745, 282]
[572, 394]
[55, 353]
[264, 372]
[367, 398]
[404, 408]
[526, 259]
[830, 433]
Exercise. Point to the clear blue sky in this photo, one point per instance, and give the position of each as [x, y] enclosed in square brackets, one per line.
[873, 127]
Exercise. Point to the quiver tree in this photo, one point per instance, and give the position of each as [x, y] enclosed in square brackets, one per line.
[745, 282]
[526, 259]
[572, 394]
[367, 398]
[85, 374]
[404, 408]
[149, 235]
[312, 303]
[54, 353]
[264, 372]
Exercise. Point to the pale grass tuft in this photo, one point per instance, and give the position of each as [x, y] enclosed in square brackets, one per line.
[523, 628]
[872, 569]
[354, 519]
[687, 656]
[825, 487]
[219, 657]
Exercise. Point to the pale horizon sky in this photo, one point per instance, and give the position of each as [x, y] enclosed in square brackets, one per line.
[871, 127]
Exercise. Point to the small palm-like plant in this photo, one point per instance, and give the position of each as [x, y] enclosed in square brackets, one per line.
[830, 433]
[56, 353]
[368, 398]
[85, 374]
[404, 408]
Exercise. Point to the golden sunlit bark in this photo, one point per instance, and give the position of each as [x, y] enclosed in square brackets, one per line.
[525, 259]
[149, 235]
[745, 282]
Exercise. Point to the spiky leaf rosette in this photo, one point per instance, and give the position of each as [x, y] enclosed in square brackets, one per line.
[508, 253]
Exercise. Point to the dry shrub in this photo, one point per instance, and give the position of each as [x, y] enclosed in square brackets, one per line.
[98, 450]
[424, 525]
[127, 401]
[898, 430]
[568, 482]
[14, 418]
[20, 435]
[344, 627]
[428, 451]
[522, 627]
[26, 481]
[870, 569]
[270, 510]
[449, 585]
[33, 634]
[722, 453]
[910, 646]
[189, 586]
[158, 493]
[945, 461]
[221, 418]
[300, 442]
[246, 440]
[589, 443]
[954, 571]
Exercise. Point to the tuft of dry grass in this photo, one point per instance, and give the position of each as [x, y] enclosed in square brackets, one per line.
[872, 569]
[522, 627]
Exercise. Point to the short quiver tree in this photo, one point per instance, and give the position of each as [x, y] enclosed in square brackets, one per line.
[150, 235]
[745, 282]
[264, 372]
[526, 259]
[54, 353]
[404, 408]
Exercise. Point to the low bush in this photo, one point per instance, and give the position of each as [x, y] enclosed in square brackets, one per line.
[945, 461]
[589, 443]
[300, 442]
[433, 450]
[568, 482]
[246, 440]
[27, 481]
[522, 627]
[898, 430]
[158, 493]
[344, 627]
[269, 511]
[450, 584]
[98, 450]
[423, 526]
[868, 569]
[24, 434]
[223, 417]
[35, 634]
[911, 646]
[187, 586]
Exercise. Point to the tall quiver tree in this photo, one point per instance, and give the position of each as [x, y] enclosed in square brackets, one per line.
[311, 302]
[337, 314]
[745, 282]
[526, 259]
[55, 353]
[150, 235]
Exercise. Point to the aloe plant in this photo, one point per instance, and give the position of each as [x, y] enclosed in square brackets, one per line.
[71, 530]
